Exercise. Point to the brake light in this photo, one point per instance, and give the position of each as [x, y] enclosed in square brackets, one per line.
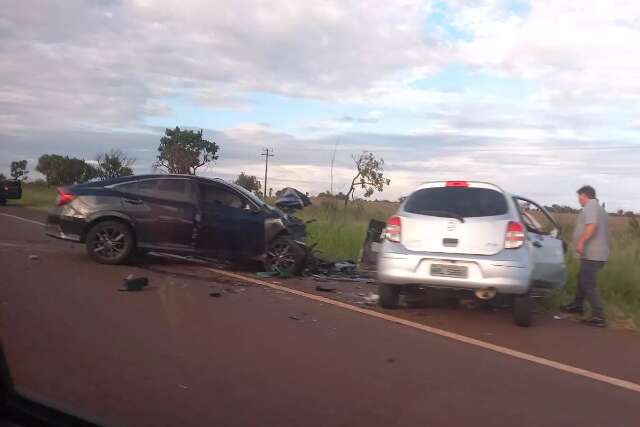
[515, 235]
[393, 230]
[457, 184]
[64, 196]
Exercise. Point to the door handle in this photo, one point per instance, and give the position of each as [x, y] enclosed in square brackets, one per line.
[537, 244]
[133, 201]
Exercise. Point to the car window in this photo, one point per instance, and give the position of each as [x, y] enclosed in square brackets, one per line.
[215, 195]
[178, 190]
[463, 201]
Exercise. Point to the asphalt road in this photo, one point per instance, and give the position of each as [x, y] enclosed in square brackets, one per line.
[173, 355]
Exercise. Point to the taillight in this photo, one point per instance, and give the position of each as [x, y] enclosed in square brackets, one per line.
[64, 196]
[393, 230]
[515, 235]
[457, 184]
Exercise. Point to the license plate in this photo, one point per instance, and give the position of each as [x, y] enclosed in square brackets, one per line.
[449, 270]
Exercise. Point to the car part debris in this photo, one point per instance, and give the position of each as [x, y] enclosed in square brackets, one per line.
[292, 200]
[215, 293]
[268, 274]
[372, 298]
[321, 288]
[134, 284]
[34, 257]
[371, 246]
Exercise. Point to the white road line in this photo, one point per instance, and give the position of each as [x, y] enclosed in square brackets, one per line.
[446, 334]
[617, 382]
[23, 219]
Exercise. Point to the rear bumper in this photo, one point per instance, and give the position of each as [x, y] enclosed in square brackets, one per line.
[507, 276]
[64, 227]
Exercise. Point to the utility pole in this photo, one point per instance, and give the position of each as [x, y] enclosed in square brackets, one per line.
[266, 152]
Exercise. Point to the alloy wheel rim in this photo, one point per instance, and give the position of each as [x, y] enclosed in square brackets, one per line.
[109, 243]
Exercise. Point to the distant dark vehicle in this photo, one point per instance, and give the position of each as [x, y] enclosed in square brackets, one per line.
[13, 189]
[3, 194]
[180, 214]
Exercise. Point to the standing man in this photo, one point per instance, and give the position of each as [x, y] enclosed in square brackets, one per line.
[591, 243]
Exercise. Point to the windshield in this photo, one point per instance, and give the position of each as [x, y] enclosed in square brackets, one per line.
[457, 202]
[251, 196]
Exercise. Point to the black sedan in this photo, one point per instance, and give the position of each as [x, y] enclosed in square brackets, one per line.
[179, 214]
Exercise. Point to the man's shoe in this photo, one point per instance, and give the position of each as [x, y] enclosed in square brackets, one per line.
[572, 309]
[599, 322]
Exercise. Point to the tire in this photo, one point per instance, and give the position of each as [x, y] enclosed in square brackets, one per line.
[285, 256]
[523, 310]
[110, 242]
[389, 295]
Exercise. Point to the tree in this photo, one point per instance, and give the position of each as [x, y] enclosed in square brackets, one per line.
[369, 175]
[114, 164]
[249, 182]
[59, 170]
[184, 151]
[19, 170]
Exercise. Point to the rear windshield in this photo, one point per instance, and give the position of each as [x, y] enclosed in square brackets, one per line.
[462, 201]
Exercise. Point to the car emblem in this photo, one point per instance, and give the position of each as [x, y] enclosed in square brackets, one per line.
[451, 226]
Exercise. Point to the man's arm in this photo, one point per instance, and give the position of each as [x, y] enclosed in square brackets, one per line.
[589, 231]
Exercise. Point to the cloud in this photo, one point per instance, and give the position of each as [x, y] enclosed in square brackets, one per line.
[544, 101]
[110, 62]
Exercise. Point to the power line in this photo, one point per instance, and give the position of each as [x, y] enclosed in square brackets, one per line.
[266, 152]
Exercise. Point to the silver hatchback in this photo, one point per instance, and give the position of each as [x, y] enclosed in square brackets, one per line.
[471, 236]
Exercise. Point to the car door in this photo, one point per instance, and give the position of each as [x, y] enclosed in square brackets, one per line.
[545, 245]
[164, 211]
[232, 225]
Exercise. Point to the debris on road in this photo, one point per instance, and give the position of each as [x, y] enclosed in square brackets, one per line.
[215, 292]
[294, 317]
[321, 288]
[134, 284]
[34, 257]
[372, 298]
[371, 246]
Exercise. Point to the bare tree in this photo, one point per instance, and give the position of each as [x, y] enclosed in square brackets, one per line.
[369, 175]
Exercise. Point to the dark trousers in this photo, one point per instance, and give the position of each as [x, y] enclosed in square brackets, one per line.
[588, 286]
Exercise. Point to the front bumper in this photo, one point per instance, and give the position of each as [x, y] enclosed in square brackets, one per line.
[506, 276]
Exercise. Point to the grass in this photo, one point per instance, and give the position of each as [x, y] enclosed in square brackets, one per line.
[36, 196]
[339, 234]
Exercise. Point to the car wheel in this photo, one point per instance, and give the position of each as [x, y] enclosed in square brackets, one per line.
[389, 295]
[110, 242]
[285, 256]
[522, 310]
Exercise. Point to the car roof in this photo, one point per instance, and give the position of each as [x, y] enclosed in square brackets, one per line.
[472, 184]
[123, 179]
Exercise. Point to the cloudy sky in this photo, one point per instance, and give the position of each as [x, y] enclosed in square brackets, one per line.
[538, 96]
